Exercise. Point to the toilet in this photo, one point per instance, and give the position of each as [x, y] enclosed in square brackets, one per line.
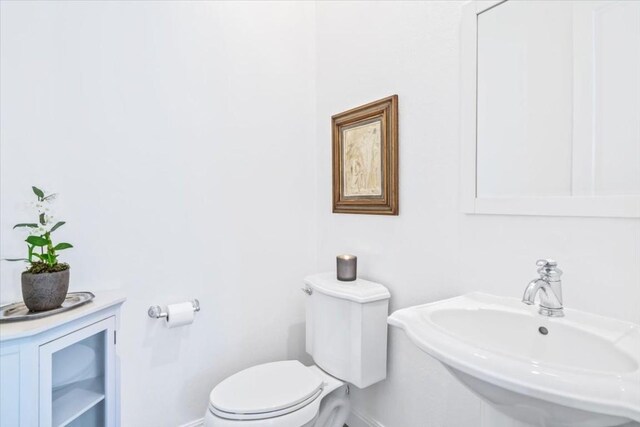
[346, 326]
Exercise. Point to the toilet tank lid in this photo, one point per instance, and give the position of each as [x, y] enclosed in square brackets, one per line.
[359, 290]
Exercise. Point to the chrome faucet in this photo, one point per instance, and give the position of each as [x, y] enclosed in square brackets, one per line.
[549, 286]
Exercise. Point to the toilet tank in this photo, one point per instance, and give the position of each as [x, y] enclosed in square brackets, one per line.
[347, 328]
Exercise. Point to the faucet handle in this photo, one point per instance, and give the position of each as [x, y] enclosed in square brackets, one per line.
[546, 263]
[548, 269]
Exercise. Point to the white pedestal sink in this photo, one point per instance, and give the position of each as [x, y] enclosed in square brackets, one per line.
[578, 370]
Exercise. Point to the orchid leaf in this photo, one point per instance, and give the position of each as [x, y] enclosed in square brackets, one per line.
[26, 224]
[38, 192]
[37, 241]
[58, 225]
[61, 246]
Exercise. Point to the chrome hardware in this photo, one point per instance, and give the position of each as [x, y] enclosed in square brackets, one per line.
[156, 312]
[307, 291]
[549, 286]
[546, 263]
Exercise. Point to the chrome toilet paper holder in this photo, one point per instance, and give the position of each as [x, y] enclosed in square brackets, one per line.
[156, 312]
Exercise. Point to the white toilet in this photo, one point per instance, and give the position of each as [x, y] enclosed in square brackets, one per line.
[347, 338]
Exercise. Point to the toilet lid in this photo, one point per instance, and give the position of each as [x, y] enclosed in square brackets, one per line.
[266, 388]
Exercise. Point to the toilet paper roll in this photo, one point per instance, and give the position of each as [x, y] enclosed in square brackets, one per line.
[179, 314]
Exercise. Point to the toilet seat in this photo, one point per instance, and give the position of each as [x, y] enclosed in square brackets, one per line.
[264, 415]
[304, 414]
[266, 391]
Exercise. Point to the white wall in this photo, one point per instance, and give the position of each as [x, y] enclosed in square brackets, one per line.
[432, 251]
[179, 137]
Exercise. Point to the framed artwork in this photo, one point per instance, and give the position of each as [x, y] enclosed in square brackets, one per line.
[365, 159]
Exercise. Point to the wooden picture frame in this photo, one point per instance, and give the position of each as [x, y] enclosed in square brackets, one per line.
[365, 159]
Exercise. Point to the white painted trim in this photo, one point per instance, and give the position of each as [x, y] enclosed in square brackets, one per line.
[598, 206]
[195, 423]
[589, 206]
[358, 419]
[468, 63]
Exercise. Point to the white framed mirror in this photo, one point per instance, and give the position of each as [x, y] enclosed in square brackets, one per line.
[550, 99]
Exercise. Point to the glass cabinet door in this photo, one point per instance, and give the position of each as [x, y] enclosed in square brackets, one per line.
[76, 378]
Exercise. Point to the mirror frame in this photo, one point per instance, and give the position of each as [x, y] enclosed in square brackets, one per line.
[590, 206]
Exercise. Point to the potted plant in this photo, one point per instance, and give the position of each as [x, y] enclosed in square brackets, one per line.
[46, 281]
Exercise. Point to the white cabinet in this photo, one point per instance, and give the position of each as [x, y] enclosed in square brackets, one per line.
[62, 370]
[76, 376]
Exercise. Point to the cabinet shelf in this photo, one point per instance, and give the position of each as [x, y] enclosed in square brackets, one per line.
[73, 400]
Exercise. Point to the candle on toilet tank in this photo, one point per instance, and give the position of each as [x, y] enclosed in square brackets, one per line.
[347, 267]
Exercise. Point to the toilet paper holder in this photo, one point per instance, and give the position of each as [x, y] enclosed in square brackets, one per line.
[156, 312]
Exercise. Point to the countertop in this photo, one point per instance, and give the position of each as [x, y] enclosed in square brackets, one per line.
[27, 328]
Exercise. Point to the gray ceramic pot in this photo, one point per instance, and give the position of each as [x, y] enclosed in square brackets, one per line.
[44, 291]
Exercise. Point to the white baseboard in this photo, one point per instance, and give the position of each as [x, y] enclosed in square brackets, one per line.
[194, 423]
[358, 419]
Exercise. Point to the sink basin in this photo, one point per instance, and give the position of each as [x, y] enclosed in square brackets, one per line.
[581, 369]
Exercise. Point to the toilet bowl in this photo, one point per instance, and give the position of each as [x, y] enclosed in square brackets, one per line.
[346, 334]
[279, 394]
